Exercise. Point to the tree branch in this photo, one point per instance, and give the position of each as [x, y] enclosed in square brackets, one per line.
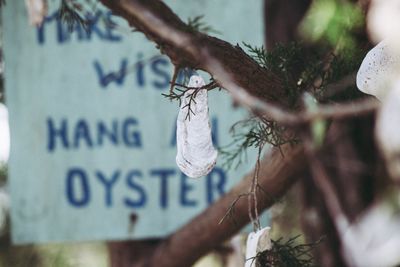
[187, 48]
[204, 232]
[251, 85]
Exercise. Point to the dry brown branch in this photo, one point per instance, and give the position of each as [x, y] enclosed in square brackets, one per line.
[191, 49]
[339, 86]
[326, 189]
[250, 85]
[252, 194]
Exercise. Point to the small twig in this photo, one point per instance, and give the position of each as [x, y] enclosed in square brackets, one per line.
[253, 194]
[324, 185]
[173, 80]
[285, 117]
[177, 96]
[274, 199]
[338, 87]
[229, 213]
[192, 95]
[209, 86]
[192, 100]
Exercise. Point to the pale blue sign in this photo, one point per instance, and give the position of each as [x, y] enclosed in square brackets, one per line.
[92, 140]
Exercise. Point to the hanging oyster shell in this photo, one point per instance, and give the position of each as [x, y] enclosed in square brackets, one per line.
[383, 20]
[257, 242]
[196, 155]
[378, 70]
[387, 131]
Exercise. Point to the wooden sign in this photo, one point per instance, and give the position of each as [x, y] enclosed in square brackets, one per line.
[92, 140]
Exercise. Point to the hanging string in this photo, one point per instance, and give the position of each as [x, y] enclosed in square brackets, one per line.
[252, 195]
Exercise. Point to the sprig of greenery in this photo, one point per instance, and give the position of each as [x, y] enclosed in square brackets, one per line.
[302, 70]
[235, 153]
[197, 24]
[253, 132]
[81, 14]
[287, 254]
[295, 64]
[68, 12]
[179, 92]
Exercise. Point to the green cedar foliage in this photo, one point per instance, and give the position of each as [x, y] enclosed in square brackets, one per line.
[303, 69]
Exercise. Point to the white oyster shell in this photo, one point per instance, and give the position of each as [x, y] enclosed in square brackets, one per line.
[378, 70]
[196, 155]
[387, 130]
[383, 20]
[257, 242]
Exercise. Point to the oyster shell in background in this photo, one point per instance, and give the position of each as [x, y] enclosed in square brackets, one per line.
[378, 70]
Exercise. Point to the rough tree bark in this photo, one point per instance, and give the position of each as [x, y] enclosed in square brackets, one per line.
[250, 85]
[194, 49]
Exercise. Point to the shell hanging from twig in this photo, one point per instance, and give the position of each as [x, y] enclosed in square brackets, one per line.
[379, 76]
[377, 71]
[196, 155]
[257, 242]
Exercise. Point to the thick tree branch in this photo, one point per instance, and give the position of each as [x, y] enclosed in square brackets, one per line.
[194, 49]
[251, 85]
